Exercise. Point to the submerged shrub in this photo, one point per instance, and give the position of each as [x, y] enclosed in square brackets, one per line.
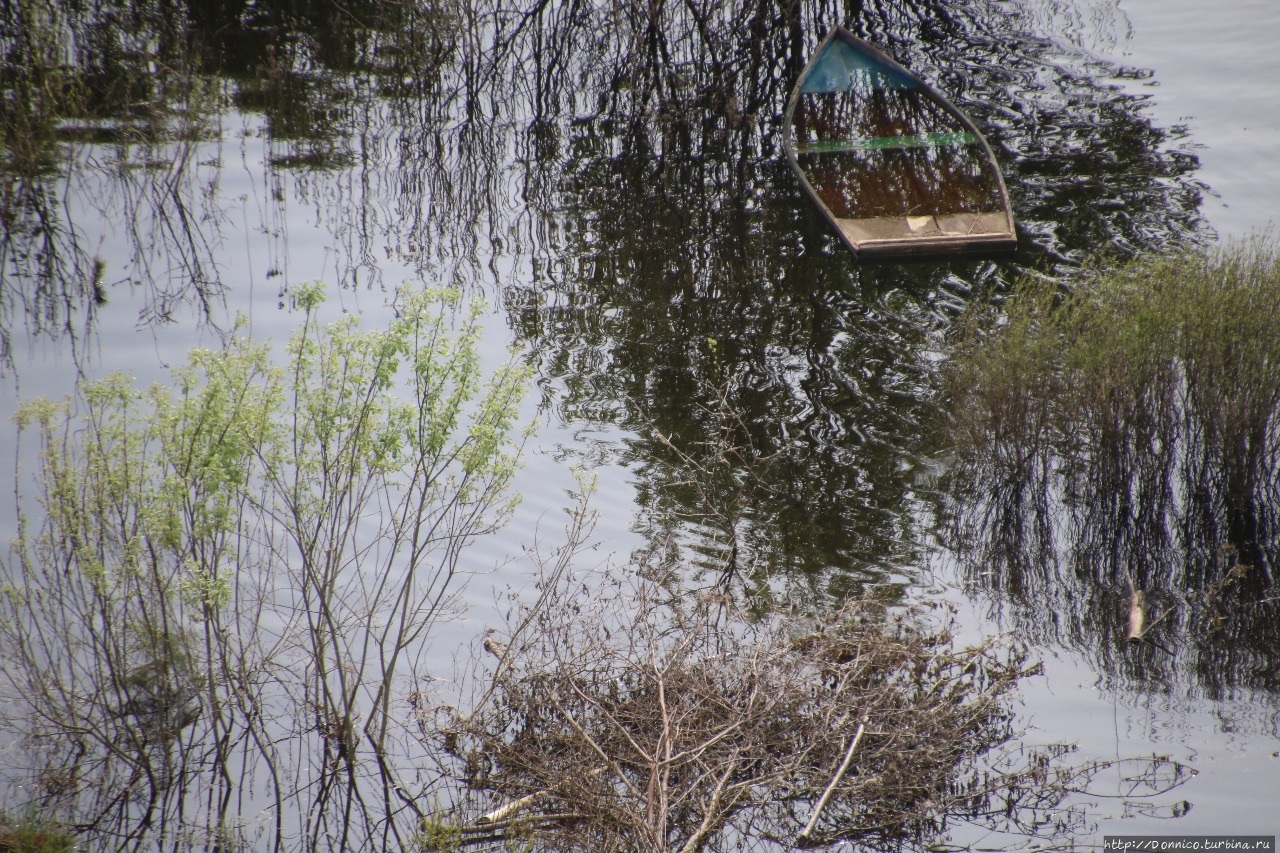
[626, 713]
[1133, 424]
[1166, 360]
[234, 572]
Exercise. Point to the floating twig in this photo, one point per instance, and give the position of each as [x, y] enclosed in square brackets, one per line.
[803, 837]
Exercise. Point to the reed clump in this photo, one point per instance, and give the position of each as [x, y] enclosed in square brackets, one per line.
[1146, 394]
[33, 834]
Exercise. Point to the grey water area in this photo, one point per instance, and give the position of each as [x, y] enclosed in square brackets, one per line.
[1209, 69]
[1213, 72]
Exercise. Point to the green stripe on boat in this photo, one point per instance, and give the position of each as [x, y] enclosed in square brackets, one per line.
[927, 140]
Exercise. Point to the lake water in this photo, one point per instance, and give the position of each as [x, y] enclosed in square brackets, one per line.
[1213, 73]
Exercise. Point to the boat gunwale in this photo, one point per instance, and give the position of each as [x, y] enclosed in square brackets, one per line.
[908, 246]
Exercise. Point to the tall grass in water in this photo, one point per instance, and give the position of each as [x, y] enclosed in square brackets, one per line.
[1130, 424]
[30, 833]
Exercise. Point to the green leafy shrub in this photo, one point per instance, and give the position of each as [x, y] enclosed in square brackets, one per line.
[234, 573]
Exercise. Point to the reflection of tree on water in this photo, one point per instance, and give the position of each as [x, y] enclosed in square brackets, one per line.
[372, 110]
[443, 138]
[713, 332]
[118, 119]
[1132, 446]
[104, 117]
[900, 154]
[1060, 572]
[673, 234]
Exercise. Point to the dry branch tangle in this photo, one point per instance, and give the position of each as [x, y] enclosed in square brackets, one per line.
[659, 723]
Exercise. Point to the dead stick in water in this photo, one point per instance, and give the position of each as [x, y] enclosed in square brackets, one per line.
[516, 806]
[1137, 613]
[511, 808]
[1139, 627]
[831, 786]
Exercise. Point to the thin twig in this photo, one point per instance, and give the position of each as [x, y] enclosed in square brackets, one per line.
[835, 780]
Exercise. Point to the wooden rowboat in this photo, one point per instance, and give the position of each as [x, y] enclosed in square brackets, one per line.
[895, 167]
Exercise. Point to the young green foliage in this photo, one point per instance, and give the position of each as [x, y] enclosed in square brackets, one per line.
[235, 570]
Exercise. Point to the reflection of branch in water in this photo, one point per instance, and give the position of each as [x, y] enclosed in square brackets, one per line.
[1124, 407]
[174, 243]
[49, 283]
[108, 112]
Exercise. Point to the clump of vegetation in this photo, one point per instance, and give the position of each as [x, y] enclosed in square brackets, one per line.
[33, 834]
[1133, 422]
[622, 712]
[1165, 365]
[234, 574]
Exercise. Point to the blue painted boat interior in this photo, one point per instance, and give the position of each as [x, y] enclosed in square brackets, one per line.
[841, 67]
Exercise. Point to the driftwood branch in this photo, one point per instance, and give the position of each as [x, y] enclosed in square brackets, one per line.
[511, 808]
[803, 837]
[1137, 613]
[516, 806]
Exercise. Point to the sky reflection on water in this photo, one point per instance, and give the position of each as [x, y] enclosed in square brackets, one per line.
[584, 257]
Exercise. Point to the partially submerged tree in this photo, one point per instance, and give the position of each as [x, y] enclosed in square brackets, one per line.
[236, 573]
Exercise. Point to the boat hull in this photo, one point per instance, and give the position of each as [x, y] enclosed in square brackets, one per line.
[895, 167]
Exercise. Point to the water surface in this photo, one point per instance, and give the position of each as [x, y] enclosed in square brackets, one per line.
[643, 244]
